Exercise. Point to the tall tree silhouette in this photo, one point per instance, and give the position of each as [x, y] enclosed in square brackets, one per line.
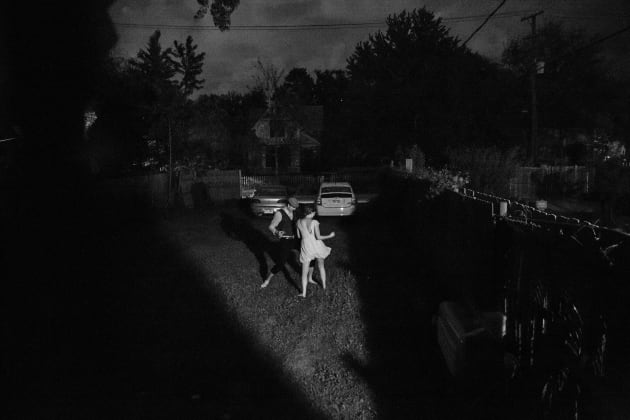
[156, 64]
[267, 78]
[190, 65]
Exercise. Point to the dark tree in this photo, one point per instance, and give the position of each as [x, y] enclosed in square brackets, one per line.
[221, 11]
[221, 126]
[165, 108]
[298, 86]
[156, 64]
[331, 86]
[415, 84]
[120, 102]
[267, 79]
[573, 88]
[190, 65]
[339, 145]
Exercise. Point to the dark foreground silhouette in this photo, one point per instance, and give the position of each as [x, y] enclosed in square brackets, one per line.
[102, 317]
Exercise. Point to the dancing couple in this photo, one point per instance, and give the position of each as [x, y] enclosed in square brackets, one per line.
[302, 234]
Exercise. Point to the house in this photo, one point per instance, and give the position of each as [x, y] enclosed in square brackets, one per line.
[285, 140]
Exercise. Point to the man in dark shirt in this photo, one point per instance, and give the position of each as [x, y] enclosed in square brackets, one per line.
[283, 226]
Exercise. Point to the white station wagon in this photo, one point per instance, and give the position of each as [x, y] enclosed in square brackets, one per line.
[335, 199]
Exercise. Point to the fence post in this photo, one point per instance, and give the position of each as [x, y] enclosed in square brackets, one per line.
[240, 184]
[587, 179]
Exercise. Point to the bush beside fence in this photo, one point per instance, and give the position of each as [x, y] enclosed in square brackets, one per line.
[150, 190]
[530, 183]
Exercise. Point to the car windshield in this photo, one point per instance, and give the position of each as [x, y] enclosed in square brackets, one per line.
[275, 191]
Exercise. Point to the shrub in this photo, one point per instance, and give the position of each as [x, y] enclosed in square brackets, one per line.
[441, 179]
[489, 169]
[612, 183]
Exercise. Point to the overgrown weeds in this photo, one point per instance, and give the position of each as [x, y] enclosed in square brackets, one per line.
[489, 169]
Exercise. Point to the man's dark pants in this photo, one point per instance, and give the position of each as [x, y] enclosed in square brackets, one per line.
[285, 248]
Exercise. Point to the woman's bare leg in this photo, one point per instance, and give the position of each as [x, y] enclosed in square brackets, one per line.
[310, 275]
[322, 272]
[304, 278]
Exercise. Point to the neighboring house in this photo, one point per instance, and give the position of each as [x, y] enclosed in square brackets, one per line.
[285, 141]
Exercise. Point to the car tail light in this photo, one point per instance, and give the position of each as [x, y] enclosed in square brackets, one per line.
[353, 201]
[319, 201]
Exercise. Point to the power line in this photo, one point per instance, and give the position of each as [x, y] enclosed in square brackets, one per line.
[484, 22]
[302, 27]
[252, 28]
[588, 17]
[593, 43]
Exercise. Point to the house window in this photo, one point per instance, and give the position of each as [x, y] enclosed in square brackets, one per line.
[284, 157]
[309, 160]
[270, 157]
[276, 128]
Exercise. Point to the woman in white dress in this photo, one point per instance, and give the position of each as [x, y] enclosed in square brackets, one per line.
[312, 247]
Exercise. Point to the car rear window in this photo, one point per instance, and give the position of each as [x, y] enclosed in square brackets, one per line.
[281, 192]
[336, 190]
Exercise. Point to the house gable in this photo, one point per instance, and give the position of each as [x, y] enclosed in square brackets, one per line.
[281, 140]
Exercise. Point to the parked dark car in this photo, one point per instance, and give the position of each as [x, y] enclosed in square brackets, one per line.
[267, 199]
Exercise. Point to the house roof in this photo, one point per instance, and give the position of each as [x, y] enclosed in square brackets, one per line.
[309, 117]
[307, 141]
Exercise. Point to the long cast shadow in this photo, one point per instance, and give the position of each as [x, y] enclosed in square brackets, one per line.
[241, 228]
[103, 317]
[400, 292]
[133, 329]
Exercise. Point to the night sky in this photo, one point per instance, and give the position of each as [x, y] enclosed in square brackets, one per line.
[230, 55]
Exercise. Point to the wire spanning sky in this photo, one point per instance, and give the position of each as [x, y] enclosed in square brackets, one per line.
[322, 34]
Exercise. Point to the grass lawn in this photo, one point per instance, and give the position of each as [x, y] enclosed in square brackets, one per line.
[168, 321]
[312, 339]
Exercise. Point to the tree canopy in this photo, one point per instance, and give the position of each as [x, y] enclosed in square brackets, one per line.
[415, 84]
[221, 11]
[573, 88]
[299, 86]
[267, 79]
[190, 65]
[143, 102]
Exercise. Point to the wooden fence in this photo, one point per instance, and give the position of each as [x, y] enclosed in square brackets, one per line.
[363, 181]
[225, 185]
[220, 185]
[529, 183]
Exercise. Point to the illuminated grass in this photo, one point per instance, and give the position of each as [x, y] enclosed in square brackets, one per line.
[312, 338]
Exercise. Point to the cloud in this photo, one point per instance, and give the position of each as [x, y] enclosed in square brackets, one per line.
[290, 10]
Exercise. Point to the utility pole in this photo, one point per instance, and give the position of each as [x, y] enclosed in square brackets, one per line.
[533, 141]
[170, 164]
